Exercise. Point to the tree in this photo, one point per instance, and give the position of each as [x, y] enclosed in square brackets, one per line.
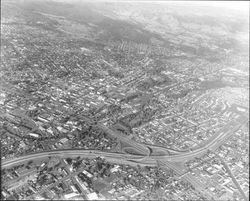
[30, 162]
[69, 160]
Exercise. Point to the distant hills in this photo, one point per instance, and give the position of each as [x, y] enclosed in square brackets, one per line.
[195, 29]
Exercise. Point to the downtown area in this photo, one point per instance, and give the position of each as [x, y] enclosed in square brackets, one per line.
[123, 101]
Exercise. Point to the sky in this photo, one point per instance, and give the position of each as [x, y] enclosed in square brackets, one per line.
[235, 5]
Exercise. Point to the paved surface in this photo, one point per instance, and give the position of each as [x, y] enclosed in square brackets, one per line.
[146, 158]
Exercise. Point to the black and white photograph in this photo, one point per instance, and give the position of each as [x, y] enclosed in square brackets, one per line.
[124, 100]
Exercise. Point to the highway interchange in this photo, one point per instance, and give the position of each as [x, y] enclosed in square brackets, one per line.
[147, 155]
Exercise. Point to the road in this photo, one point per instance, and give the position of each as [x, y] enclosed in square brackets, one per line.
[140, 147]
[189, 178]
[233, 178]
[211, 145]
[111, 157]
[76, 152]
[146, 159]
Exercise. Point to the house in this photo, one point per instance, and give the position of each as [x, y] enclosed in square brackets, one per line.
[71, 195]
[87, 173]
[34, 135]
[92, 196]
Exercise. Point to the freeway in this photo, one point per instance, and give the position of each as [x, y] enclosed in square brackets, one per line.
[75, 153]
[145, 156]
[146, 159]
[143, 160]
[153, 150]
[140, 147]
[175, 155]
[211, 145]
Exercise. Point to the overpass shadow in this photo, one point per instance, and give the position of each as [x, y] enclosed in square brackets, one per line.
[160, 153]
[131, 150]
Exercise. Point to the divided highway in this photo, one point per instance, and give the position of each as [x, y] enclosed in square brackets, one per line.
[74, 153]
[146, 159]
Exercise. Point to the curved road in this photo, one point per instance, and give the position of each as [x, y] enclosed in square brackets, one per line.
[76, 152]
[213, 144]
[146, 159]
